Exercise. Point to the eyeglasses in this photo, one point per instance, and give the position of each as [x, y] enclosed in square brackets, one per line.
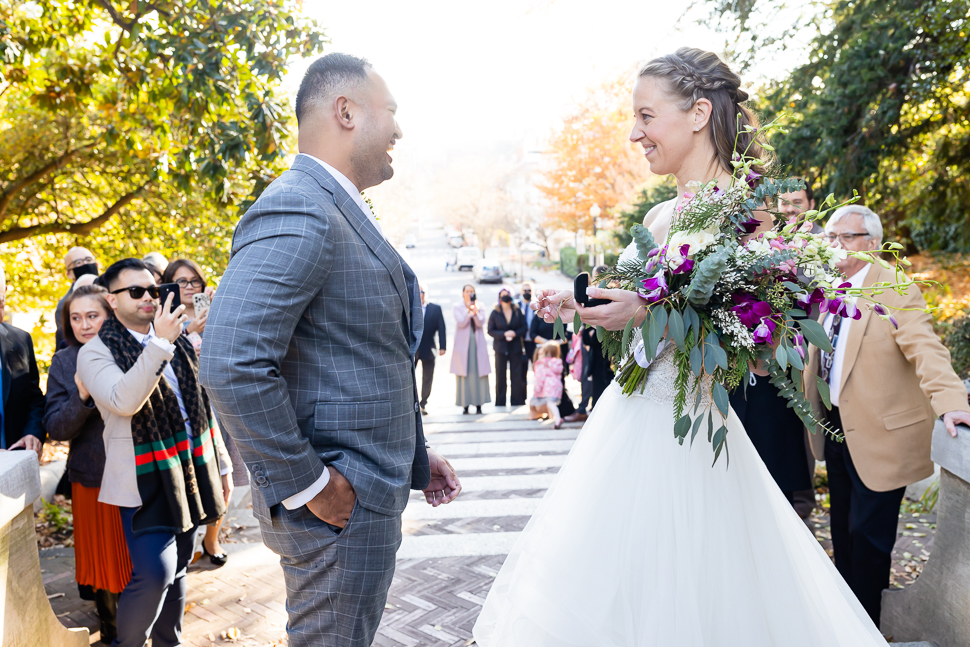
[81, 261]
[845, 238]
[184, 283]
[137, 291]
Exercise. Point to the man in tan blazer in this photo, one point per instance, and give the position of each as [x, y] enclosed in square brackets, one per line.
[887, 387]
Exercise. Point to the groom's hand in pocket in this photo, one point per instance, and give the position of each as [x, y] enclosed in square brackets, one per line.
[335, 502]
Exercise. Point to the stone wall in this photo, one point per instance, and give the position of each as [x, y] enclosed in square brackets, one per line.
[27, 619]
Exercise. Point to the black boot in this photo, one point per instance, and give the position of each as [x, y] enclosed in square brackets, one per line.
[478, 410]
[107, 604]
[465, 410]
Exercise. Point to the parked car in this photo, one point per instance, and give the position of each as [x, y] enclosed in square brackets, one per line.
[488, 272]
[456, 240]
[410, 241]
[467, 257]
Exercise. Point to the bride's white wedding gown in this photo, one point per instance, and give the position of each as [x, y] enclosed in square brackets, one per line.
[640, 542]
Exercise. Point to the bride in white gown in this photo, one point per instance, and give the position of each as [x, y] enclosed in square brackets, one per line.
[640, 542]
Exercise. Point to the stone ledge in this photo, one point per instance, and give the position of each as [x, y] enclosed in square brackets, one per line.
[19, 483]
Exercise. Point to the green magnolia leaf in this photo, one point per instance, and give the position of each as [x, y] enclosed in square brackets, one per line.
[627, 333]
[815, 334]
[781, 356]
[577, 323]
[823, 392]
[675, 326]
[720, 395]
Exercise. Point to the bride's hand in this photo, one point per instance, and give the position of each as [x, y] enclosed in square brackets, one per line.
[613, 316]
[552, 303]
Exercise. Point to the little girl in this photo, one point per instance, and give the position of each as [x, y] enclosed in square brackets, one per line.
[547, 369]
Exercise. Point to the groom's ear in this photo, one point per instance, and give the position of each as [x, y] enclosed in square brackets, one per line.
[346, 111]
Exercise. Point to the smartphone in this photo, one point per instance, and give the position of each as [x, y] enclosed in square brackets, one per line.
[474, 298]
[580, 283]
[169, 288]
[200, 302]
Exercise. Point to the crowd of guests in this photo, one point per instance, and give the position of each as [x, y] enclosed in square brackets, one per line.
[147, 463]
[519, 340]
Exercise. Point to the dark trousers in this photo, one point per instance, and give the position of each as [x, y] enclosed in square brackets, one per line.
[864, 524]
[427, 377]
[153, 603]
[530, 351]
[508, 366]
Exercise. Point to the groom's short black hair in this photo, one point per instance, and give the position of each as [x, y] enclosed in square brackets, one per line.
[327, 76]
[112, 273]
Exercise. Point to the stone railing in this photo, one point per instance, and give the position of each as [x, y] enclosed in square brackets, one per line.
[936, 607]
[26, 618]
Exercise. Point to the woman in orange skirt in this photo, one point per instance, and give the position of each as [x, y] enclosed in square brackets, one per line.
[100, 552]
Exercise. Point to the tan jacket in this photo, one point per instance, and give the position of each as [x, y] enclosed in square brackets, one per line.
[894, 384]
[119, 396]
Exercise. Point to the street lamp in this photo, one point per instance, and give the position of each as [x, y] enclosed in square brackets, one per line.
[594, 213]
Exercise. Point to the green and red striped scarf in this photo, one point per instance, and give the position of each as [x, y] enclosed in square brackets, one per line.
[179, 489]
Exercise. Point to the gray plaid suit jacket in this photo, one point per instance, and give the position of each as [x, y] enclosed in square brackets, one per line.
[308, 347]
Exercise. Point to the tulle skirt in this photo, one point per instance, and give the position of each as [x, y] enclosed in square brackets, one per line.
[641, 542]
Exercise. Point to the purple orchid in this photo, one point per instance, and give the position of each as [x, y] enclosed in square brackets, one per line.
[749, 226]
[764, 331]
[884, 314]
[682, 264]
[752, 179]
[654, 289]
[750, 311]
[800, 345]
[807, 300]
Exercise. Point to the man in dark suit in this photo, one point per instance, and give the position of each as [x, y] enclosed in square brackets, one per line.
[530, 345]
[22, 404]
[434, 322]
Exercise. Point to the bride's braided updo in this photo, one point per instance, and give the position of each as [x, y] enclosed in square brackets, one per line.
[691, 74]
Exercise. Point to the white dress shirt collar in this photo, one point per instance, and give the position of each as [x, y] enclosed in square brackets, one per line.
[349, 187]
[835, 377]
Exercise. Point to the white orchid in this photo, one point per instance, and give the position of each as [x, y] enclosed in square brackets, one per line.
[696, 241]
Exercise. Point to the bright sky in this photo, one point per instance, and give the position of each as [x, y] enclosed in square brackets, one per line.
[468, 75]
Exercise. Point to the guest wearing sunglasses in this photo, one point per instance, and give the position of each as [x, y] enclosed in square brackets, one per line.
[165, 463]
[191, 281]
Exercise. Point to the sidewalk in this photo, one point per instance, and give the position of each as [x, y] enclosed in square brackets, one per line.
[449, 557]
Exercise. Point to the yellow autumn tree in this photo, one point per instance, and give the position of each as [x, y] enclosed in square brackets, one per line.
[593, 161]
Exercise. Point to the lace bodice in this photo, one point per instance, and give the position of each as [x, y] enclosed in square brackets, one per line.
[663, 376]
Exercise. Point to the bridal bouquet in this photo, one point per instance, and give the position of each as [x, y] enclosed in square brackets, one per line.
[729, 300]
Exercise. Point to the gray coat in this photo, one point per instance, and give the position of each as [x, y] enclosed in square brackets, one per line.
[308, 348]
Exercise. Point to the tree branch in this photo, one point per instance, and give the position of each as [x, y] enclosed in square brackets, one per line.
[116, 17]
[6, 197]
[78, 229]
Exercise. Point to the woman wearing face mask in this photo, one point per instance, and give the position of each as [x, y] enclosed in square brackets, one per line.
[100, 552]
[469, 358]
[506, 325]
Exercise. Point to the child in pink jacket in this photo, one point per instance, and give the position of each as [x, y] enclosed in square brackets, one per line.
[547, 369]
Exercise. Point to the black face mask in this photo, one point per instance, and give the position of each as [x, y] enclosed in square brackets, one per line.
[81, 270]
[527, 296]
[506, 299]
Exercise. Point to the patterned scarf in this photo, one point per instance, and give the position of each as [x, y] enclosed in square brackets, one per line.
[178, 490]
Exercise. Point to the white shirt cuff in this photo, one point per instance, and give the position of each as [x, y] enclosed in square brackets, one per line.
[164, 344]
[302, 498]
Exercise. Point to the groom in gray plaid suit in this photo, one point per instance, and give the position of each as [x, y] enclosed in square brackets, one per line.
[308, 361]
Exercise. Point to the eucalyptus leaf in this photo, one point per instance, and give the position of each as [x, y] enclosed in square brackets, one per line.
[710, 425]
[644, 241]
[696, 360]
[695, 321]
[796, 313]
[627, 333]
[720, 395]
[682, 426]
[600, 333]
[675, 326]
[815, 334]
[795, 359]
[697, 425]
[823, 392]
[781, 356]
[577, 323]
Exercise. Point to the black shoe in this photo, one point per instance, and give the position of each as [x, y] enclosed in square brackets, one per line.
[465, 411]
[478, 410]
[424, 411]
[219, 560]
